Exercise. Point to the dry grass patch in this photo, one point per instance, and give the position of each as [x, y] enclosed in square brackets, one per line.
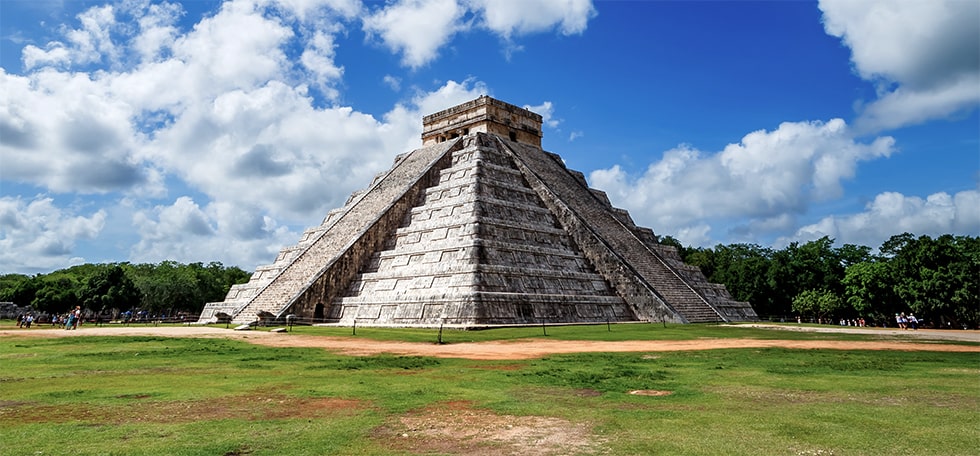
[257, 407]
[651, 393]
[458, 428]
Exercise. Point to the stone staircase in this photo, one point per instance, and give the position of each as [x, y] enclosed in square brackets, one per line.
[478, 248]
[273, 289]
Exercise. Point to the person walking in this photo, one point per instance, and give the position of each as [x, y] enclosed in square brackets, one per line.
[70, 321]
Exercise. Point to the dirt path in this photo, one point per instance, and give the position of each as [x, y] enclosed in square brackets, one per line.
[529, 348]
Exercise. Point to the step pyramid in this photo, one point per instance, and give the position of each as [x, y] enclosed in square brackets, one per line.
[479, 227]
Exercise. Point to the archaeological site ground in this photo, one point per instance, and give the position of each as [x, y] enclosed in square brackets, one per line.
[581, 390]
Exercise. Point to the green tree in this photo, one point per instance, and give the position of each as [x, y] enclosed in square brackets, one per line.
[168, 287]
[819, 303]
[109, 288]
[815, 265]
[742, 268]
[19, 289]
[937, 278]
[869, 290]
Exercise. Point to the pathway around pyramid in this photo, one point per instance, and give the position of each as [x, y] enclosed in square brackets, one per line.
[891, 339]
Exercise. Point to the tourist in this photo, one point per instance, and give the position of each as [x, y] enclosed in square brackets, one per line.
[78, 316]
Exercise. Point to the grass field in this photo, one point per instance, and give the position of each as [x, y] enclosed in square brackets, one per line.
[165, 396]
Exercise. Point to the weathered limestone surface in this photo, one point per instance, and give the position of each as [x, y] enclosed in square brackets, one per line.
[483, 115]
[479, 248]
[328, 257]
[480, 226]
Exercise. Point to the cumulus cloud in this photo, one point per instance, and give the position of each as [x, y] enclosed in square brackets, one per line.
[923, 55]
[209, 111]
[520, 17]
[66, 132]
[37, 236]
[891, 213]
[90, 43]
[318, 58]
[186, 232]
[417, 29]
[755, 185]
[158, 30]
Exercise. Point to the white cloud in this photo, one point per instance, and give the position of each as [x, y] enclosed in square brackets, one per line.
[521, 17]
[157, 29]
[185, 232]
[419, 28]
[393, 82]
[66, 132]
[416, 28]
[318, 58]
[547, 112]
[55, 54]
[314, 10]
[219, 57]
[38, 236]
[93, 42]
[759, 182]
[904, 106]
[209, 111]
[891, 213]
[924, 56]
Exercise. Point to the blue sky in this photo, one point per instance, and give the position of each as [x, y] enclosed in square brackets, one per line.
[145, 131]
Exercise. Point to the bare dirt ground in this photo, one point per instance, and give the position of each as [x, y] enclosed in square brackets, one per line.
[890, 339]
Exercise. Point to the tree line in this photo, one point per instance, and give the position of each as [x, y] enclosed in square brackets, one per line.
[166, 288]
[936, 279]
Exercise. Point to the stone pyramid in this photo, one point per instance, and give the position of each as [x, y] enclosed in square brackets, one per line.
[479, 227]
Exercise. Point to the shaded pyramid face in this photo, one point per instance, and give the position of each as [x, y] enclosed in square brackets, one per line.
[475, 228]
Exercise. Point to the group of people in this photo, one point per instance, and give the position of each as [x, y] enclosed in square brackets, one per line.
[71, 320]
[25, 321]
[852, 322]
[74, 318]
[906, 322]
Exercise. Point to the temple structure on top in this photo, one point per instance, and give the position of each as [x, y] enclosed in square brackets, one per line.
[483, 115]
[479, 227]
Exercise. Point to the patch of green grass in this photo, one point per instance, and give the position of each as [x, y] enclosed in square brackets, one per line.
[163, 396]
[602, 332]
